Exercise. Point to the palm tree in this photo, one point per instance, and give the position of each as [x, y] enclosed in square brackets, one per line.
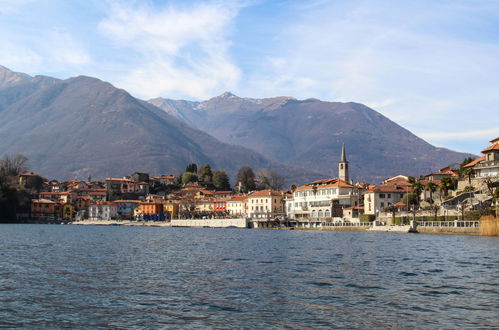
[417, 188]
[469, 173]
[431, 187]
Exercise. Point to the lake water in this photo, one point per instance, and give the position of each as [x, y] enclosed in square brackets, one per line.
[136, 277]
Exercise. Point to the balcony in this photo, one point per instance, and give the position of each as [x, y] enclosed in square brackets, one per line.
[487, 164]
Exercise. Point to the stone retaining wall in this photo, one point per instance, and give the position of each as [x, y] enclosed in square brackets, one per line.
[449, 230]
[211, 223]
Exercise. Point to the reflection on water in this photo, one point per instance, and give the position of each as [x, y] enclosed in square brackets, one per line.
[84, 276]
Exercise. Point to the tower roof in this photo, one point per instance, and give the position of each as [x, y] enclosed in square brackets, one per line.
[343, 153]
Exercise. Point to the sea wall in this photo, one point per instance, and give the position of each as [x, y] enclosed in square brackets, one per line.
[449, 230]
[212, 223]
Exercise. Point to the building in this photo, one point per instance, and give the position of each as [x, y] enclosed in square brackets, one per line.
[487, 166]
[265, 204]
[343, 172]
[60, 197]
[126, 208]
[152, 210]
[390, 192]
[171, 209]
[164, 179]
[324, 199]
[237, 205]
[117, 186]
[45, 209]
[103, 211]
[25, 177]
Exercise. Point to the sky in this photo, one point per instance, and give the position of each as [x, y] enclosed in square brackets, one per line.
[430, 66]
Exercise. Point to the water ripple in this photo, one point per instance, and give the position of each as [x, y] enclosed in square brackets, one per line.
[134, 277]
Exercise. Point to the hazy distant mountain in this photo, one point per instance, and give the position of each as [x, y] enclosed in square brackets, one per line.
[83, 126]
[9, 78]
[309, 133]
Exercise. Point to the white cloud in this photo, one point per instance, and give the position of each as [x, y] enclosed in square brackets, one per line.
[417, 63]
[12, 7]
[180, 51]
[483, 135]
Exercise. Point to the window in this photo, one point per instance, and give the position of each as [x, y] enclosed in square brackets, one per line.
[382, 196]
[401, 195]
[382, 204]
[389, 195]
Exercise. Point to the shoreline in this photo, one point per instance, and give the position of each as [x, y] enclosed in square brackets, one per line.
[379, 229]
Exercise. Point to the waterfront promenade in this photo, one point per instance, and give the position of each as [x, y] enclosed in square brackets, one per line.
[424, 227]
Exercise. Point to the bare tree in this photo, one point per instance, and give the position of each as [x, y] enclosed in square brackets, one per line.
[13, 165]
[270, 180]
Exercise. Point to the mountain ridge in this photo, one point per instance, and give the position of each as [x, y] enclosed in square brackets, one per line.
[309, 133]
[83, 126]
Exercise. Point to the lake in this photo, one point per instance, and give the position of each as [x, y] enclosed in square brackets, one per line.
[136, 277]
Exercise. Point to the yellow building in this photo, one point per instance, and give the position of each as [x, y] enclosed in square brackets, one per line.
[172, 209]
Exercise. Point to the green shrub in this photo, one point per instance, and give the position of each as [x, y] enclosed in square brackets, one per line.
[367, 217]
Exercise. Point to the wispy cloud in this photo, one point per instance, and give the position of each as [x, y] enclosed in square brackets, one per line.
[179, 50]
[418, 63]
[484, 135]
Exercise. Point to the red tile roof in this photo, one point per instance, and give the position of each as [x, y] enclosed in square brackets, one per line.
[326, 183]
[474, 162]
[492, 147]
[238, 199]
[496, 140]
[264, 193]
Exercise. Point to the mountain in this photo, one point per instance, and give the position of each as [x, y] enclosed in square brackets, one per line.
[83, 126]
[10, 78]
[309, 133]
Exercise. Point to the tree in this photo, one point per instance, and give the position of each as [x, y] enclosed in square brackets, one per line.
[246, 177]
[270, 180]
[431, 187]
[468, 172]
[263, 179]
[188, 177]
[34, 183]
[13, 165]
[410, 199]
[446, 184]
[292, 187]
[205, 174]
[192, 168]
[221, 180]
[417, 188]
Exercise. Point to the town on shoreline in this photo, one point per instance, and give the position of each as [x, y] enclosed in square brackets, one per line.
[457, 195]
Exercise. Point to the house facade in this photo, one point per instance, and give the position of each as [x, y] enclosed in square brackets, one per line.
[265, 204]
[488, 166]
[324, 199]
[390, 192]
[237, 206]
[103, 211]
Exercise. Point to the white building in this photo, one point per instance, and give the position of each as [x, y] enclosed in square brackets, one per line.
[378, 198]
[265, 204]
[103, 211]
[324, 199]
[487, 166]
[236, 206]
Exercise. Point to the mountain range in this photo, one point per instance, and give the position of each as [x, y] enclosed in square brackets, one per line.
[309, 134]
[82, 126]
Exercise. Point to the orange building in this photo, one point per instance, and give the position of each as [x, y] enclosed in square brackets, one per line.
[151, 208]
[45, 208]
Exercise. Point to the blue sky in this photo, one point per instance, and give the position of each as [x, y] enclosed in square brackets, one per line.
[431, 66]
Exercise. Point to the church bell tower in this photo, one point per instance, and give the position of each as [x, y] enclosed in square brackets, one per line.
[343, 166]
